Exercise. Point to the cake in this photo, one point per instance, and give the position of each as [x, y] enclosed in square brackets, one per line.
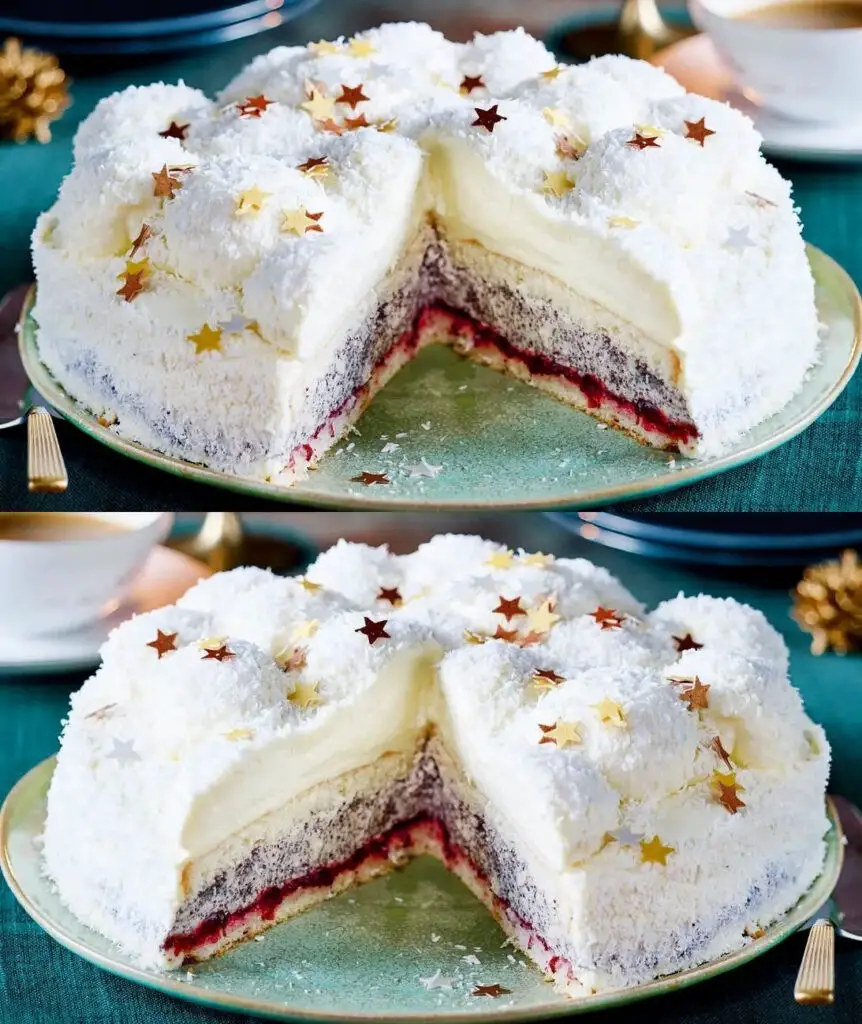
[629, 793]
[231, 281]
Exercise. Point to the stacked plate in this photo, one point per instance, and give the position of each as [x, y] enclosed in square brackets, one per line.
[746, 540]
[106, 27]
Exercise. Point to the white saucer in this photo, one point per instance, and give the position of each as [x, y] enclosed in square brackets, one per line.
[166, 576]
[695, 64]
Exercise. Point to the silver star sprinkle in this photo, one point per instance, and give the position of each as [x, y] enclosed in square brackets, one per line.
[436, 981]
[425, 469]
[625, 836]
[737, 239]
[236, 324]
[124, 752]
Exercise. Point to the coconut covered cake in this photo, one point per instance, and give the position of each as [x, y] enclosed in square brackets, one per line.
[629, 793]
[230, 281]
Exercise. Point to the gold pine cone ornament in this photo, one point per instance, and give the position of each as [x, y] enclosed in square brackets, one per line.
[827, 603]
[33, 92]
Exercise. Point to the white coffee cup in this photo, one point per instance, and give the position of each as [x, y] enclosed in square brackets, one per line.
[806, 73]
[58, 584]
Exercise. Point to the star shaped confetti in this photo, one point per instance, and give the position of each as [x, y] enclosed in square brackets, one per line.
[607, 618]
[695, 695]
[304, 629]
[556, 118]
[251, 201]
[436, 980]
[726, 791]
[324, 48]
[352, 95]
[254, 106]
[424, 468]
[235, 735]
[300, 221]
[291, 659]
[563, 734]
[654, 852]
[718, 749]
[370, 478]
[389, 125]
[331, 126]
[133, 284]
[471, 637]
[352, 123]
[471, 82]
[102, 713]
[237, 324]
[490, 990]
[556, 183]
[610, 713]
[542, 619]
[218, 654]
[509, 635]
[360, 47]
[164, 185]
[487, 119]
[144, 234]
[123, 752]
[175, 131]
[760, 200]
[501, 559]
[698, 131]
[625, 837]
[164, 643]
[737, 240]
[316, 167]
[546, 679]
[552, 73]
[308, 585]
[319, 106]
[374, 631]
[531, 639]
[623, 222]
[537, 559]
[686, 643]
[390, 594]
[207, 339]
[510, 607]
[305, 695]
[644, 141]
[570, 146]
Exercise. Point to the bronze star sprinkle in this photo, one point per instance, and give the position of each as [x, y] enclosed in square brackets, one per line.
[163, 643]
[487, 119]
[218, 654]
[254, 106]
[164, 185]
[696, 696]
[352, 95]
[531, 639]
[352, 123]
[607, 618]
[546, 678]
[569, 148]
[133, 284]
[505, 634]
[644, 141]
[562, 734]
[698, 131]
[718, 748]
[374, 630]
[315, 167]
[686, 643]
[726, 789]
[471, 82]
[370, 478]
[490, 990]
[331, 126]
[143, 235]
[175, 131]
[509, 607]
[390, 594]
[292, 659]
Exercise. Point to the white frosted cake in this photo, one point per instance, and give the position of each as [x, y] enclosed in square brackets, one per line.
[231, 280]
[630, 794]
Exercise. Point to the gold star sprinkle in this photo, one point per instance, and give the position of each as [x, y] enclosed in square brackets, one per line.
[537, 559]
[556, 118]
[374, 631]
[474, 638]
[686, 643]
[251, 201]
[653, 852]
[352, 95]
[610, 713]
[471, 82]
[370, 478]
[543, 618]
[316, 167]
[319, 106]
[607, 618]
[487, 119]
[490, 990]
[164, 185]
[218, 654]
[175, 131]
[386, 126]
[360, 47]
[726, 790]
[305, 695]
[164, 643]
[390, 594]
[622, 222]
[696, 696]
[239, 734]
[207, 339]
[557, 183]
[501, 560]
[304, 630]
[563, 734]
[718, 748]
[698, 131]
[324, 48]
[308, 585]
[553, 72]
[644, 141]
[300, 221]
[291, 659]
[144, 234]
[509, 607]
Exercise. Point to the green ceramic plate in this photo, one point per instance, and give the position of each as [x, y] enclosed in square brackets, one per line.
[500, 443]
[362, 955]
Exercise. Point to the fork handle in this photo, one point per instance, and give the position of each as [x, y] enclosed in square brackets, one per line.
[46, 470]
[815, 983]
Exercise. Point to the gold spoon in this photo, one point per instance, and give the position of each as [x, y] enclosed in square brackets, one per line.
[222, 544]
[640, 31]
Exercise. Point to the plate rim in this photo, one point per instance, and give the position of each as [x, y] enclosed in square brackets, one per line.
[671, 480]
[38, 778]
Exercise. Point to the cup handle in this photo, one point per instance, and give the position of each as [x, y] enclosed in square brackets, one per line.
[46, 470]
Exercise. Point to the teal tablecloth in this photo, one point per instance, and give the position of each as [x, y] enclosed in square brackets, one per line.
[41, 983]
[821, 470]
